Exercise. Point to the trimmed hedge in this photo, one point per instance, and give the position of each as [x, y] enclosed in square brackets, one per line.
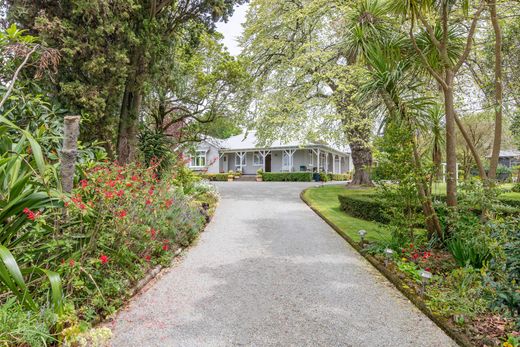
[214, 177]
[365, 206]
[362, 207]
[287, 176]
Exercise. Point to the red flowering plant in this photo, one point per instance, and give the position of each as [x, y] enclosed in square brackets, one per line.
[128, 222]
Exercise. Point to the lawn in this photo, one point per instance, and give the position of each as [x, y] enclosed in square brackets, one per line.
[325, 200]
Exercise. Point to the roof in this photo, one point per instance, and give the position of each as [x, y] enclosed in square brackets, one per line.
[248, 141]
[508, 153]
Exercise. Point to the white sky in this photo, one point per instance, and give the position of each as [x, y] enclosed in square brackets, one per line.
[233, 29]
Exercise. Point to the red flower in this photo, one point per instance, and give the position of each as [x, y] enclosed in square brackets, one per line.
[121, 214]
[111, 183]
[148, 202]
[165, 247]
[415, 256]
[84, 183]
[135, 178]
[150, 192]
[103, 258]
[168, 203]
[109, 195]
[72, 263]
[120, 193]
[82, 206]
[148, 258]
[153, 233]
[128, 184]
[30, 214]
[426, 255]
[428, 269]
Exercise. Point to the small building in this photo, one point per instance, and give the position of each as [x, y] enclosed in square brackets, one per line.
[242, 153]
[508, 158]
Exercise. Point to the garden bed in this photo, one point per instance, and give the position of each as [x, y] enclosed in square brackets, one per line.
[484, 329]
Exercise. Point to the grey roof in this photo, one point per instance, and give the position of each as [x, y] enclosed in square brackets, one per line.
[508, 153]
[249, 141]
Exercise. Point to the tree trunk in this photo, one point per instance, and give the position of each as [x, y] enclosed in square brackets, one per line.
[69, 152]
[362, 158]
[130, 108]
[472, 149]
[451, 154]
[497, 140]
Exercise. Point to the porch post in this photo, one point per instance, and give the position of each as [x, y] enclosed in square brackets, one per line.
[339, 164]
[318, 161]
[290, 153]
[241, 155]
[326, 162]
[334, 163]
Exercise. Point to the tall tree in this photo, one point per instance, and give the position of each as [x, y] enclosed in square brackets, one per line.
[422, 17]
[110, 50]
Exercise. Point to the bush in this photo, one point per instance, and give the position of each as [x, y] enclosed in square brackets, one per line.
[325, 177]
[214, 177]
[19, 327]
[341, 177]
[123, 222]
[465, 252]
[516, 188]
[287, 176]
[363, 207]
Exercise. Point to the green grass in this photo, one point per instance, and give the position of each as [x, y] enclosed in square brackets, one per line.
[325, 200]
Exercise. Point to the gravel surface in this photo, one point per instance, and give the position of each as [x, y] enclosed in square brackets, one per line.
[270, 272]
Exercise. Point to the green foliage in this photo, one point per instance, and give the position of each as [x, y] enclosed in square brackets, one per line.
[325, 177]
[516, 188]
[214, 177]
[156, 149]
[468, 253]
[341, 177]
[460, 293]
[363, 206]
[21, 328]
[287, 176]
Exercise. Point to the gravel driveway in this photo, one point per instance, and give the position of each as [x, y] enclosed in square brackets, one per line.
[270, 272]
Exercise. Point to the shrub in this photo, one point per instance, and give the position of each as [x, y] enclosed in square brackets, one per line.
[214, 177]
[465, 252]
[363, 207]
[516, 188]
[287, 176]
[21, 328]
[123, 222]
[325, 177]
[341, 177]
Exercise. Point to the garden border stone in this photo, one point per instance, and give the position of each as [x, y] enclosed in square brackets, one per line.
[441, 322]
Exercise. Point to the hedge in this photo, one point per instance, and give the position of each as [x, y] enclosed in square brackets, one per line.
[365, 206]
[214, 177]
[341, 177]
[287, 176]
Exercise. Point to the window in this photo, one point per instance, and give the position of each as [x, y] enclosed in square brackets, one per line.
[258, 160]
[199, 159]
[237, 160]
[286, 160]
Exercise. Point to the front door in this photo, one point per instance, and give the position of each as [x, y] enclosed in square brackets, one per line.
[268, 163]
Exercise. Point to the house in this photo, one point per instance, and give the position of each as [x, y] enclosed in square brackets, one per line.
[508, 158]
[242, 153]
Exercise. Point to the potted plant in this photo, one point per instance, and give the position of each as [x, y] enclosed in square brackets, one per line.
[230, 176]
[237, 174]
[259, 173]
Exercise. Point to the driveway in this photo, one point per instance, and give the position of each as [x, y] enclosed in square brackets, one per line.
[270, 272]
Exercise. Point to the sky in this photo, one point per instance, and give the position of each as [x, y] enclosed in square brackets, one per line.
[233, 29]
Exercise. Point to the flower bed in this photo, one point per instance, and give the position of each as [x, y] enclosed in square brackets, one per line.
[287, 176]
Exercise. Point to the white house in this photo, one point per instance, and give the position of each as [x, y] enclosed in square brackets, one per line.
[242, 153]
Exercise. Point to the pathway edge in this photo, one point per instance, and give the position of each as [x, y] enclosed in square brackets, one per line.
[441, 322]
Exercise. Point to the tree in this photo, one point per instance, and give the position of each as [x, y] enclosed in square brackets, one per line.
[421, 15]
[306, 74]
[196, 93]
[110, 50]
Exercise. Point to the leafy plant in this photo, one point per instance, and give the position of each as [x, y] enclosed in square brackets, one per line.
[470, 253]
